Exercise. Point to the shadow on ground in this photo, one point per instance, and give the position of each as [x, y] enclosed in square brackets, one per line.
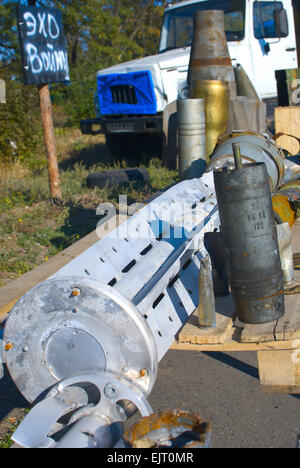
[88, 157]
[234, 363]
[81, 222]
[130, 151]
[11, 399]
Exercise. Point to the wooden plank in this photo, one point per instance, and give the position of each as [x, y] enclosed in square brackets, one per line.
[13, 291]
[232, 344]
[296, 236]
[290, 389]
[279, 371]
[192, 333]
[288, 327]
[259, 333]
[287, 120]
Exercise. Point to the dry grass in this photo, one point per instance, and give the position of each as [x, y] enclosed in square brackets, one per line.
[15, 170]
[70, 140]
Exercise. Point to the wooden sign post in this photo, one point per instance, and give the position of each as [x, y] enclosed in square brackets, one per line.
[50, 145]
[45, 61]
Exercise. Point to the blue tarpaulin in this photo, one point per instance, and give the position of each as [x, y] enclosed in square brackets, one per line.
[140, 85]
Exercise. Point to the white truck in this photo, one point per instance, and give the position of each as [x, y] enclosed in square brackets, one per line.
[132, 97]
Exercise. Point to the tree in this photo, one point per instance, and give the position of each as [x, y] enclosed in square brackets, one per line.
[99, 33]
[19, 117]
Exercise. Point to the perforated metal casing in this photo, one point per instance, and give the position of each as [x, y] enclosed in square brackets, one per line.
[119, 305]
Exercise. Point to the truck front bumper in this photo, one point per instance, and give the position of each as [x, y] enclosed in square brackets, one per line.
[127, 124]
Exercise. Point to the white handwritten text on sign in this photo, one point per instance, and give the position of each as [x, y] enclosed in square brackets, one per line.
[43, 46]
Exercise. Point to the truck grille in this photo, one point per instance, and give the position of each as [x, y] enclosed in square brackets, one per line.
[127, 93]
[123, 94]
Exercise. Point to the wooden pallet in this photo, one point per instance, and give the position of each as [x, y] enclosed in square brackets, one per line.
[277, 343]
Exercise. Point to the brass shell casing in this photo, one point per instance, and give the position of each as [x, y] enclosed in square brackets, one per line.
[216, 98]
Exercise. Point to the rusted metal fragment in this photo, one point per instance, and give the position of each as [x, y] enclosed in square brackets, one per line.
[291, 190]
[172, 428]
[282, 209]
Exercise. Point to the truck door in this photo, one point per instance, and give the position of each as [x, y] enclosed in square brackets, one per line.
[273, 43]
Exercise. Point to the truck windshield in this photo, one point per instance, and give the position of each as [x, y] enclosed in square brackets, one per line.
[178, 24]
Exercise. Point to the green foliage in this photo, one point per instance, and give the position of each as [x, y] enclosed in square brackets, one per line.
[99, 34]
[75, 101]
[20, 133]
[8, 31]
[19, 129]
[6, 442]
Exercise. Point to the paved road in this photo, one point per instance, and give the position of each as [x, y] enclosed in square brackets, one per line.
[223, 388]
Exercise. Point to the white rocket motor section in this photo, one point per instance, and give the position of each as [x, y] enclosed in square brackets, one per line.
[153, 258]
[119, 305]
[113, 311]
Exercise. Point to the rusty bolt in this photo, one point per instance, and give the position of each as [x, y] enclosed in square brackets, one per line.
[76, 292]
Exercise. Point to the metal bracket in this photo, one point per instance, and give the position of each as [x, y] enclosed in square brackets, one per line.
[92, 424]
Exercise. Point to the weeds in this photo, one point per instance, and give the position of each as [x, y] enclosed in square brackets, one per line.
[10, 427]
[5, 441]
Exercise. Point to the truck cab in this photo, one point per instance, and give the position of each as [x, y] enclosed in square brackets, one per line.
[132, 97]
